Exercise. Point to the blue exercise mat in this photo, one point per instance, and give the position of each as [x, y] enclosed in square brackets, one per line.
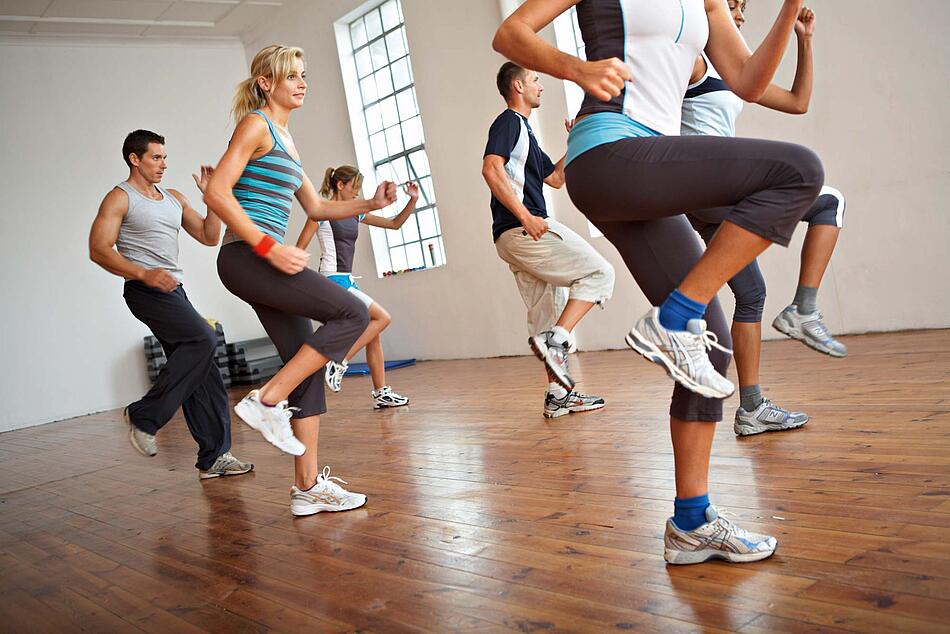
[362, 368]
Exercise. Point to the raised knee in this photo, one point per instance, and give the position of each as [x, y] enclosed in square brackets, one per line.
[810, 168]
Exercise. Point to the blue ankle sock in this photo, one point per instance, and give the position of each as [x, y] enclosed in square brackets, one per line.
[679, 309]
[690, 513]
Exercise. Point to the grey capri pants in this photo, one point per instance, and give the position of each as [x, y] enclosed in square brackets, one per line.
[285, 304]
[636, 191]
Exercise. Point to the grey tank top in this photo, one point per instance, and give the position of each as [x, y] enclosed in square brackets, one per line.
[148, 235]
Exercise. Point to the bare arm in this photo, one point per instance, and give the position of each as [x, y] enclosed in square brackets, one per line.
[412, 190]
[102, 238]
[207, 229]
[748, 74]
[556, 178]
[306, 234]
[493, 171]
[517, 39]
[250, 137]
[319, 208]
[796, 100]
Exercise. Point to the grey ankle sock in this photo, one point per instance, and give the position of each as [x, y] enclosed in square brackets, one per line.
[750, 397]
[806, 298]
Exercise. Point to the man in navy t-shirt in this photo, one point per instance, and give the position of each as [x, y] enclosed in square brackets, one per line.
[543, 254]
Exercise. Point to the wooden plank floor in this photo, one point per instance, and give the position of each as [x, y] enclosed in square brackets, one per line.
[483, 516]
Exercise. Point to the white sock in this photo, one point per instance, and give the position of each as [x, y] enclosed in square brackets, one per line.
[559, 335]
[556, 390]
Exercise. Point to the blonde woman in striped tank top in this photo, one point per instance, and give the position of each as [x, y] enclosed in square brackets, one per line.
[252, 191]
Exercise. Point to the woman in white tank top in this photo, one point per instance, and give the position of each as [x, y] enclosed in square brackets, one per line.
[634, 177]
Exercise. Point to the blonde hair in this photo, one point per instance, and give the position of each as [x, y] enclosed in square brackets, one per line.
[343, 174]
[270, 62]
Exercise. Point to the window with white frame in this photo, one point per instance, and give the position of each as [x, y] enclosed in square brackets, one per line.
[568, 34]
[387, 130]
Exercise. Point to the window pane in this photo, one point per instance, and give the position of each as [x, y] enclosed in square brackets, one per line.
[427, 227]
[399, 173]
[395, 44]
[414, 255]
[402, 77]
[378, 52]
[368, 88]
[407, 104]
[412, 130]
[388, 109]
[420, 164]
[358, 33]
[394, 139]
[364, 65]
[394, 237]
[374, 28]
[384, 84]
[377, 143]
[427, 194]
[410, 231]
[374, 119]
[397, 256]
[390, 15]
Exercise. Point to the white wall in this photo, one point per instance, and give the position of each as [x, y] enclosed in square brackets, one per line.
[68, 344]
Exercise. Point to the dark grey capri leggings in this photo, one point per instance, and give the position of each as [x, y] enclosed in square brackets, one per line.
[748, 285]
[285, 304]
[636, 190]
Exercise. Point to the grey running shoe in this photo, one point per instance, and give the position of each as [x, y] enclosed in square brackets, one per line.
[571, 403]
[554, 357]
[717, 539]
[272, 422]
[226, 465]
[385, 397]
[809, 329]
[144, 443]
[682, 354]
[325, 495]
[334, 374]
[767, 417]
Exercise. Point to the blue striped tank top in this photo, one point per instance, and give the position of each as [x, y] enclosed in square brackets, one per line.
[266, 188]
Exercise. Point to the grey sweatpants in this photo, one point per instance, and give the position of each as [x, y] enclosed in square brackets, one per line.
[636, 190]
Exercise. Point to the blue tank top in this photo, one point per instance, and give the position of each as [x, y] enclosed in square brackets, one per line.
[266, 188]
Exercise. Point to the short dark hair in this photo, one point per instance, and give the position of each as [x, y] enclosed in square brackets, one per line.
[508, 72]
[137, 143]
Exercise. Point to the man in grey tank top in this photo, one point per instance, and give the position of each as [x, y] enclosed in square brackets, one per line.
[141, 220]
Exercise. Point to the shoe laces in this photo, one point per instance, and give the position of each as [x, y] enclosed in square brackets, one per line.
[693, 347]
[327, 480]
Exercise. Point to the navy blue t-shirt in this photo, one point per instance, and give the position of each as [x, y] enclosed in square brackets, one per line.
[511, 138]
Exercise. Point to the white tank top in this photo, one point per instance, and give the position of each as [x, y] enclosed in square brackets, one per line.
[659, 40]
[710, 108]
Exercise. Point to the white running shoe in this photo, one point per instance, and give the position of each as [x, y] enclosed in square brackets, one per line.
[385, 397]
[718, 538]
[554, 356]
[682, 354]
[571, 403]
[272, 422]
[334, 374]
[810, 330]
[325, 495]
[767, 417]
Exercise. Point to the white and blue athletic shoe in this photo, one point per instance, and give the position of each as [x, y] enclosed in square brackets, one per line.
[810, 330]
[718, 538]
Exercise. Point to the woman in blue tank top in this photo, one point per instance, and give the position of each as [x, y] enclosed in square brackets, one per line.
[337, 240]
[252, 191]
